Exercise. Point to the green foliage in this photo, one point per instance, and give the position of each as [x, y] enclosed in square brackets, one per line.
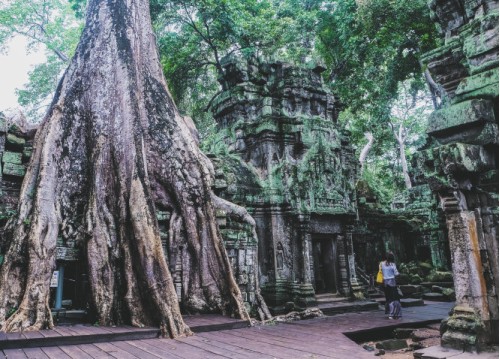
[48, 23]
[194, 36]
[372, 45]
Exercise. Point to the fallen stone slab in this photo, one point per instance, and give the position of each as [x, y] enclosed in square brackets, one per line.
[403, 333]
[437, 352]
[392, 344]
[421, 334]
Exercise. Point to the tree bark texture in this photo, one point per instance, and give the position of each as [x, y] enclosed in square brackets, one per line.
[366, 149]
[111, 151]
[401, 138]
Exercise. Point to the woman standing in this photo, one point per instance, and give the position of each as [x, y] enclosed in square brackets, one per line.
[389, 270]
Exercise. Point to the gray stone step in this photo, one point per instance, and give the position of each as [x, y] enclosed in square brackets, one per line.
[411, 302]
[438, 297]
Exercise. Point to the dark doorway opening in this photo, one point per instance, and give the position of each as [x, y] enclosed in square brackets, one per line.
[325, 264]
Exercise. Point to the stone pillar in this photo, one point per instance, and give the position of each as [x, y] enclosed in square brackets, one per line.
[345, 287]
[472, 323]
[357, 290]
[306, 245]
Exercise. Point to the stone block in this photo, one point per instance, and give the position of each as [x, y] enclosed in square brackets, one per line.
[438, 297]
[436, 352]
[484, 84]
[424, 333]
[409, 289]
[403, 333]
[411, 302]
[480, 42]
[11, 169]
[3, 124]
[461, 114]
[67, 254]
[27, 152]
[392, 344]
[15, 141]
[12, 157]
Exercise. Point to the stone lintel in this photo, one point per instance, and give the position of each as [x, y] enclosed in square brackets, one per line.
[464, 114]
[484, 85]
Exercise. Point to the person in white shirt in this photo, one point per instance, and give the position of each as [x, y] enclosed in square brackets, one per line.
[390, 272]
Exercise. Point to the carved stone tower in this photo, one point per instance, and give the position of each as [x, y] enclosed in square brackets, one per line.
[295, 171]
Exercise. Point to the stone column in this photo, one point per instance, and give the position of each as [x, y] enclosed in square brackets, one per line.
[345, 287]
[472, 322]
[357, 290]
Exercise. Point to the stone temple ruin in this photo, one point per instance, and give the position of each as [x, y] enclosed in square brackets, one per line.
[460, 163]
[280, 152]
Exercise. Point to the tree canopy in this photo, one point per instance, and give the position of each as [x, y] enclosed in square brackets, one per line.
[369, 47]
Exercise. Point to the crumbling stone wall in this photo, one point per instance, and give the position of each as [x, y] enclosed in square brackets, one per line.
[291, 165]
[412, 227]
[15, 151]
[461, 162]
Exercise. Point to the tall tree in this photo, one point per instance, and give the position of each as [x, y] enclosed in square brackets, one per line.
[409, 113]
[111, 151]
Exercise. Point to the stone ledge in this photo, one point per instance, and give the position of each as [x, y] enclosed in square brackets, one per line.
[464, 113]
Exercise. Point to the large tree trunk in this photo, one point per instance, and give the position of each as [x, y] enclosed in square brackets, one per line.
[366, 149]
[401, 138]
[112, 150]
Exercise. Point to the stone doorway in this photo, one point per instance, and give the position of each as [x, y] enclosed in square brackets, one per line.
[325, 264]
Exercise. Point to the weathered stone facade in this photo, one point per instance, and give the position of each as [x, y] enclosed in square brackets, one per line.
[281, 154]
[461, 162]
[412, 227]
[291, 165]
[15, 152]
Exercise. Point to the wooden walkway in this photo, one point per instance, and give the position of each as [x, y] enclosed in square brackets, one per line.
[314, 338]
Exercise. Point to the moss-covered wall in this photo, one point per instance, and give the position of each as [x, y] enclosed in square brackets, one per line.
[460, 163]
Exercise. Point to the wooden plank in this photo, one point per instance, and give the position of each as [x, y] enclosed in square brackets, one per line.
[280, 342]
[33, 334]
[207, 348]
[135, 351]
[49, 333]
[227, 351]
[94, 351]
[80, 329]
[97, 330]
[15, 336]
[161, 352]
[257, 346]
[75, 352]
[64, 331]
[114, 351]
[178, 349]
[15, 354]
[230, 347]
[35, 353]
[55, 352]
